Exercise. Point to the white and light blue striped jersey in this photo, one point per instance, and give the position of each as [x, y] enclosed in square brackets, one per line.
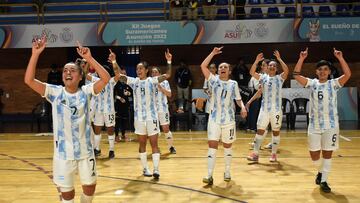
[71, 121]
[104, 102]
[145, 103]
[271, 92]
[223, 94]
[323, 113]
[162, 101]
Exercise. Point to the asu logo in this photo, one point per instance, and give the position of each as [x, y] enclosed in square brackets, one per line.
[240, 31]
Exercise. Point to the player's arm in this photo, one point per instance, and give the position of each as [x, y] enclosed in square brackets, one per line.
[243, 111]
[284, 67]
[167, 75]
[254, 97]
[204, 65]
[297, 70]
[85, 53]
[115, 66]
[344, 66]
[252, 71]
[164, 90]
[38, 47]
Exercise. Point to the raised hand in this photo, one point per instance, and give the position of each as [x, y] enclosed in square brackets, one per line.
[38, 45]
[217, 50]
[338, 54]
[259, 57]
[277, 54]
[304, 54]
[168, 55]
[84, 52]
[112, 56]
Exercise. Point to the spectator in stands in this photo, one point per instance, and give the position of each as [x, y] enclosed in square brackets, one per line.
[176, 9]
[183, 82]
[240, 10]
[209, 9]
[122, 93]
[55, 75]
[241, 74]
[191, 9]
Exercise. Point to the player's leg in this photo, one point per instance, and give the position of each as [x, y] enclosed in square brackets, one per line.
[263, 122]
[88, 176]
[314, 142]
[140, 130]
[164, 119]
[276, 121]
[63, 177]
[110, 123]
[214, 131]
[153, 132]
[98, 124]
[228, 136]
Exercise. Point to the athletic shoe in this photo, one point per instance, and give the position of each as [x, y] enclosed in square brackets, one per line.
[147, 173]
[318, 178]
[227, 176]
[111, 154]
[172, 150]
[325, 187]
[97, 152]
[208, 180]
[268, 146]
[156, 175]
[273, 158]
[253, 157]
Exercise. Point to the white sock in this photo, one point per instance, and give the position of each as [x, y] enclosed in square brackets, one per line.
[211, 160]
[275, 144]
[318, 165]
[97, 140]
[258, 141]
[86, 199]
[143, 159]
[67, 201]
[111, 139]
[325, 169]
[265, 133]
[156, 160]
[169, 139]
[227, 158]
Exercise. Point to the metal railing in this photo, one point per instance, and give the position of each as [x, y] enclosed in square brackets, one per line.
[20, 13]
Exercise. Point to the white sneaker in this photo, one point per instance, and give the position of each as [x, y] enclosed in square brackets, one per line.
[273, 158]
[268, 146]
[227, 176]
[147, 173]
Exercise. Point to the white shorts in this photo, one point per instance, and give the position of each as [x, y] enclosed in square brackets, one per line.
[226, 132]
[327, 140]
[164, 118]
[147, 127]
[273, 117]
[104, 118]
[64, 171]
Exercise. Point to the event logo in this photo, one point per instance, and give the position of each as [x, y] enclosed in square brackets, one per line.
[66, 35]
[261, 30]
[50, 37]
[239, 32]
[314, 29]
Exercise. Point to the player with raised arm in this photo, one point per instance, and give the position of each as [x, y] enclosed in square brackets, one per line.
[270, 110]
[221, 124]
[73, 151]
[162, 92]
[146, 120]
[104, 109]
[323, 129]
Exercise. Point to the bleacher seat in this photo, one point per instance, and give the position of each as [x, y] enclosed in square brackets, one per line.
[273, 12]
[303, 1]
[308, 12]
[256, 13]
[287, 1]
[222, 14]
[269, 1]
[320, 1]
[252, 2]
[222, 2]
[325, 11]
[342, 10]
[290, 12]
[356, 10]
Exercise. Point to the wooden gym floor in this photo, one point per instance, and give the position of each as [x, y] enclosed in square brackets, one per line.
[26, 165]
